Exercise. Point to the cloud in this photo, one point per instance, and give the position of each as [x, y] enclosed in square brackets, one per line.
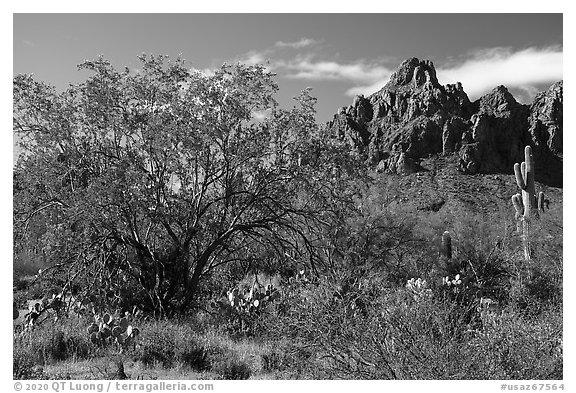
[327, 70]
[366, 90]
[260, 116]
[520, 69]
[525, 94]
[523, 71]
[254, 57]
[28, 43]
[367, 77]
[303, 42]
[204, 71]
[264, 56]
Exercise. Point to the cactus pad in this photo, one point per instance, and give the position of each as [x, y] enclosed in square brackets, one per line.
[106, 318]
[106, 332]
[94, 338]
[116, 331]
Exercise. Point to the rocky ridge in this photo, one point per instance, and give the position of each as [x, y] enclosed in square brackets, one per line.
[414, 117]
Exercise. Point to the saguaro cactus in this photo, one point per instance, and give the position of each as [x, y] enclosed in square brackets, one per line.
[447, 245]
[528, 203]
[451, 266]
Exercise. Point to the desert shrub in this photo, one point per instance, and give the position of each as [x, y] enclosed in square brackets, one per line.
[547, 237]
[480, 277]
[58, 376]
[290, 359]
[231, 368]
[178, 342]
[536, 294]
[273, 360]
[192, 354]
[55, 347]
[78, 347]
[20, 283]
[544, 286]
[418, 331]
[55, 341]
[511, 346]
[377, 239]
[537, 285]
[23, 366]
[403, 338]
[157, 347]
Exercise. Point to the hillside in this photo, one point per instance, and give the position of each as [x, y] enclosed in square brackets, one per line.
[440, 185]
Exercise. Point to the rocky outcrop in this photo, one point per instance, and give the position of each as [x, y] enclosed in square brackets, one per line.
[545, 131]
[546, 119]
[497, 136]
[413, 116]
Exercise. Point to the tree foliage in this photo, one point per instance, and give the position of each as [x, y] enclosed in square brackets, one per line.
[157, 177]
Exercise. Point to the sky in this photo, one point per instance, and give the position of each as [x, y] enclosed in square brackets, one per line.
[337, 55]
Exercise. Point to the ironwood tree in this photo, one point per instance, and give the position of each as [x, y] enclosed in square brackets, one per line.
[159, 176]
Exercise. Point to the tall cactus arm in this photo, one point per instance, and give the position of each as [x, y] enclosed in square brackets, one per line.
[517, 202]
[519, 176]
[541, 201]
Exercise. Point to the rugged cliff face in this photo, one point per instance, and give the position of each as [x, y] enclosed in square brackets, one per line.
[413, 116]
[545, 130]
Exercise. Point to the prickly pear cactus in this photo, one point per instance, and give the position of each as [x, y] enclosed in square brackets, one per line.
[114, 330]
[527, 204]
[245, 308]
[41, 310]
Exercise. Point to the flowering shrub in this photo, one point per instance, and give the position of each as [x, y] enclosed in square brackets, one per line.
[456, 281]
[454, 285]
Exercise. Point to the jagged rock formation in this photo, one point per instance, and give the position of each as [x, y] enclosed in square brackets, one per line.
[497, 135]
[413, 116]
[545, 130]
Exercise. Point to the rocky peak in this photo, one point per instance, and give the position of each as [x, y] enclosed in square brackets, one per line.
[498, 101]
[496, 137]
[546, 113]
[413, 73]
[405, 120]
[413, 117]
